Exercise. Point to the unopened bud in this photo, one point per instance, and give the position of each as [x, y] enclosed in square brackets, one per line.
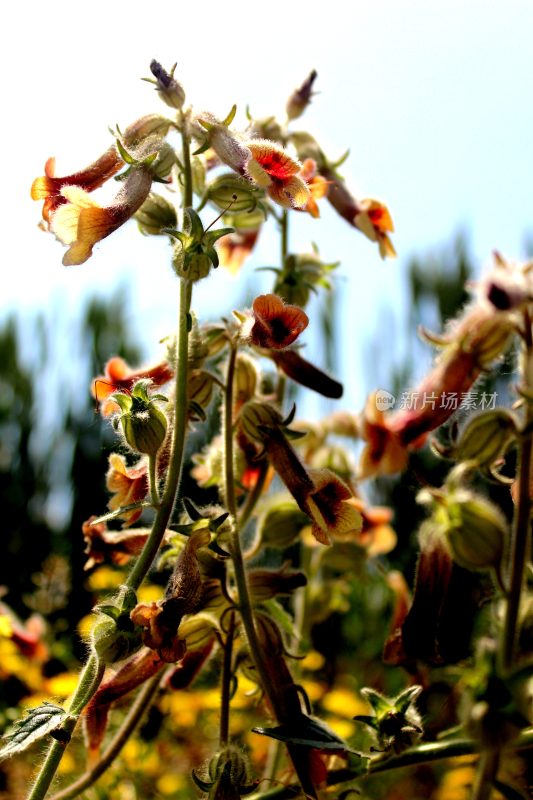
[245, 379]
[200, 388]
[169, 90]
[486, 437]
[281, 523]
[155, 214]
[229, 190]
[300, 98]
[114, 636]
[254, 416]
[475, 530]
[147, 126]
[166, 158]
[144, 424]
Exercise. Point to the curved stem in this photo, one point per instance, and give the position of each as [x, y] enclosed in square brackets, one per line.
[245, 603]
[226, 683]
[128, 726]
[520, 540]
[90, 679]
[166, 507]
[152, 479]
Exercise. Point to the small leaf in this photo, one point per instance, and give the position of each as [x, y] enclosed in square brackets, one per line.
[39, 722]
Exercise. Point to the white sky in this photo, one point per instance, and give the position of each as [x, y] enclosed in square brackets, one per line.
[433, 98]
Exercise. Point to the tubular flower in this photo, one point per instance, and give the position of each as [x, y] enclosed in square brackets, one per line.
[82, 223]
[303, 372]
[277, 324]
[274, 170]
[128, 484]
[319, 493]
[477, 339]
[49, 186]
[118, 547]
[318, 186]
[234, 249]
[118, 375]
[370, 216]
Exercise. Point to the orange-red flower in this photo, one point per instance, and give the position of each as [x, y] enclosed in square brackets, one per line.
[371, 217]
[49, 187]
[274, 170]
[118, 375]
[128, 485]
[277, 324]
[318, 186]
[118, 547]
[81, 223]
[234, 249]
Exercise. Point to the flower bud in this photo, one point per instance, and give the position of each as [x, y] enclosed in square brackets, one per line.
[155, 214]
[147, 126]
[229, 776]
[200, 389]
[229, 190]
[281, 523]
[254, 416]
[486, 437]
[166, 158]
[144, 424]
[474, 528]
[114, 635]
[301, 97]
[245, 379]
[169, 90]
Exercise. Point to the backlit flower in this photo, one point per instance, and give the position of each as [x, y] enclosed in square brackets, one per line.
[128, 485]
[274, 170]
[81, 223]
[234, 249]
[277, 324]
[370, 216]
[118, 375]
[318, 186]
[118, 547]
[49, 187]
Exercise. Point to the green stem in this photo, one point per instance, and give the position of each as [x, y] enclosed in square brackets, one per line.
[226, 682]
[423, 754]
[186, 157]
[520, 540]
[166, 507]
[245, 603]
[486, 773]
[90, 679]
[284, 225]
[128, 726]
[152, 478]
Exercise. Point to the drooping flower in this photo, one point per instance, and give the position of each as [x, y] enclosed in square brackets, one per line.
[82, 223]
[277, 324]
[49, 186]
[119, 375]
[128, 485]
[234, 249]
[371, 217]
[273, 169]
[118, 547]
[318, 186]
[303, 372]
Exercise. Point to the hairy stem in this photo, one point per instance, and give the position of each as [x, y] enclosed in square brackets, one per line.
[245, 604]
[89, 681]
[152, 478]
[226, 682]
[519, 554]
[131, 721]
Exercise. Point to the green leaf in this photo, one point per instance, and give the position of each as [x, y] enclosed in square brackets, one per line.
[38, 723]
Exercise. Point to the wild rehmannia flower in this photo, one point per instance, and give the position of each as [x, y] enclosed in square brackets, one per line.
[128, 485]
[118, 375]
[473, 343]
[117, 547]
[277, 324]
[273, 169]
[49, 186]
[371, 217]
[318, 186]
[82, 223]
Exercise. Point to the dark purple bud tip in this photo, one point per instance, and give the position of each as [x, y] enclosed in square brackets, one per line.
[160, 74]
[499, 297]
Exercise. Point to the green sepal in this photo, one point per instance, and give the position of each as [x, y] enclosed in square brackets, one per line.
[405, 698]
[279, 615]
[195, 224]
[205, 786]
[370, 721]
[119, 511]
[213, 236]
[182, 237]
[203, 148]
[230, 117]
[341, 160]
[125, 156]
[307, 732]
[123, 400]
